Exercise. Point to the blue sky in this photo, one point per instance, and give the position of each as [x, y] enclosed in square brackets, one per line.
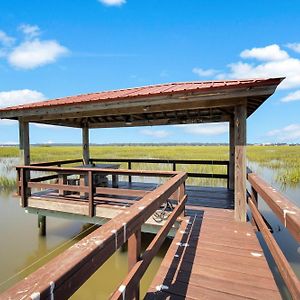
[54, 48]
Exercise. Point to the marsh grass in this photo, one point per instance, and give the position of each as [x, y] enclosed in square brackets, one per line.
[284, 160]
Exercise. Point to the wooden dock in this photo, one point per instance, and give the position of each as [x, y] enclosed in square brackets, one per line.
[214, 257]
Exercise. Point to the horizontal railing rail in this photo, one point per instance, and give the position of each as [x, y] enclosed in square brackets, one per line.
[63, 275]
[86, 188]
[288, 213]
[174, 163]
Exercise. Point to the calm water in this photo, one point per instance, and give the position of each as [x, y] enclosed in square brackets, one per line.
[22, 249]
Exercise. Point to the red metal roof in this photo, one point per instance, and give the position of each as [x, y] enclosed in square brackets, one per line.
[147, 91]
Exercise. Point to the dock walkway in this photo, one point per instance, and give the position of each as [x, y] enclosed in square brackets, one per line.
[214, 257]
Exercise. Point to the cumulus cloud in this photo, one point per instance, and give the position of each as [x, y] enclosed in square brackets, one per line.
[155, 133]
[290, 133]
[30, 31]
[15, 97]
[268, 53]
[36, 53]
[268, 61]
[294, 96]
[112, 2]
[294, 46]
[6, 40]
[32, 51]
[210, 129]
[204, 73]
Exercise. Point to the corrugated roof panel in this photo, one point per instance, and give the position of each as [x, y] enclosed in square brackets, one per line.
[145, 91]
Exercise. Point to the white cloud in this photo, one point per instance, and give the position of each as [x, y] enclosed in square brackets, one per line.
[8, 122]
[40, 125]
[278, 65]
[289, 133]
[112, 2]
[206, 129]
[294, 46]
[30, 31]
[6, 40]
[204, 73]
[36, 53]
[16, 97]
[155, 133]
[268, 53]
[294, 96]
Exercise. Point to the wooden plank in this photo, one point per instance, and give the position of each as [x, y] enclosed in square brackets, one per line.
[287, 212]
[65, 187]
[121, 192]
[240, 162]
[198, 264]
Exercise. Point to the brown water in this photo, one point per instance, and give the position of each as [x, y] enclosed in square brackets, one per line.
[22, 250]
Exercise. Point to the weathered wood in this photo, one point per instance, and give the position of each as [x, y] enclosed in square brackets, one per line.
[91, 193]
[286, 211]
[221, 98]
[288, 275]
[80, 261]
[42, 225]
[62, 181]
[23, 188]
[138, 270]
[231, 154]
[134, 254]
[24, 143]
[240, 162]
[200, 264]
[85, 144]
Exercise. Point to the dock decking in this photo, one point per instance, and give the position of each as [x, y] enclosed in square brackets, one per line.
[214, 257]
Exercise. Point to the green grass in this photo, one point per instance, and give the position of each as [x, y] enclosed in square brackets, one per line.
[284, 160]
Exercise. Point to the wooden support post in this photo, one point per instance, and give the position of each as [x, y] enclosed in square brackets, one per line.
[91, 193]
[42, 225]
[24, 146]
[24, 143]
[231, 155]
[240, 116]
[85, 144]
[134, 252]
[174, 166]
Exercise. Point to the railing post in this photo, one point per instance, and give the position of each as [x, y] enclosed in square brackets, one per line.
[254, 197]
[181, 193]
[23, 188]
[129, 168]
[174, 166]
[228, 176]
[134, 252]
[91, 193]
[19, 182]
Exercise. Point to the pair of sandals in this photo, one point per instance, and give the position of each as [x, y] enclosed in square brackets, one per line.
[164, 212]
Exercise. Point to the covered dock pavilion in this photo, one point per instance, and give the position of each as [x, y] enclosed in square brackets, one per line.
[220, 237]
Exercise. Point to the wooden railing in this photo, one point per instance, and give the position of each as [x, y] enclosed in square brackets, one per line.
[288, 213]
[173, 163]
[87, 188]
[62, 276]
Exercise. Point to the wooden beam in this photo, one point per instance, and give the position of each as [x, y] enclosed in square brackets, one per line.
[85, 144]
[227, 95]
[240, 162]
[231, 154]
[24, 142]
